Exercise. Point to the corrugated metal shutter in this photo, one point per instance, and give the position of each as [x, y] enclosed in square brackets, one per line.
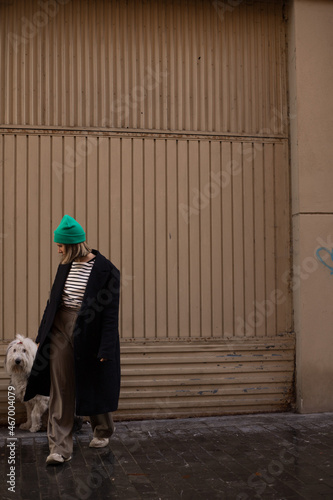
[165, 380]
[181, 379]
[187, 193]
[189, 65]
[177, 284]
[164, 209]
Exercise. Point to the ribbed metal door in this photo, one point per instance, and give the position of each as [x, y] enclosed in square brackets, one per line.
[162, 127]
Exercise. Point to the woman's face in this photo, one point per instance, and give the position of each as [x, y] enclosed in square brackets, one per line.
[61, 248]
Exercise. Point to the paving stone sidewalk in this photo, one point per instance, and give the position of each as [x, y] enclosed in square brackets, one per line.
[280, 456]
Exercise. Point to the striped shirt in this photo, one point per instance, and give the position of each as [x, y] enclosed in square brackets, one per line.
[76, 283]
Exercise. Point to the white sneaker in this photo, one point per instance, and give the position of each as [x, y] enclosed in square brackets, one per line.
[99, 442]
[55, 459]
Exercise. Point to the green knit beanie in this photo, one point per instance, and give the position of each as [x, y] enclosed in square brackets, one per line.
[69, 232]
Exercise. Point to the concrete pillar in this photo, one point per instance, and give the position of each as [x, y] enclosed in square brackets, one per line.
[311, 147]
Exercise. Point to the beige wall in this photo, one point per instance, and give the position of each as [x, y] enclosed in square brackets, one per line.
[311, 125]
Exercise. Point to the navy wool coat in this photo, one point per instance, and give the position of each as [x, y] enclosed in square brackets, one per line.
[96, 336]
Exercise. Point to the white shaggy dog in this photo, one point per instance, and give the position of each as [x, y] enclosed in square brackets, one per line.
[19, 360]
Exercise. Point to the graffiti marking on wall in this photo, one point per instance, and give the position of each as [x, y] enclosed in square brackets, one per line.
[319, 257]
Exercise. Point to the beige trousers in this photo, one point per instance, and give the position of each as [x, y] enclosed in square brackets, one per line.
[62, 393]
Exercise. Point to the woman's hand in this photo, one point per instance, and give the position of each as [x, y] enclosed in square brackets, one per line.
[103, 359]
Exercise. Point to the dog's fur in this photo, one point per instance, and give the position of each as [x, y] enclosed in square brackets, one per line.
[18, 362]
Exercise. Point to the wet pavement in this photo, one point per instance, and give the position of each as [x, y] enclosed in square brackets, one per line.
[268, 456]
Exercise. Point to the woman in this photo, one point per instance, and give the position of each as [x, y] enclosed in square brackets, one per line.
[78, 358]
